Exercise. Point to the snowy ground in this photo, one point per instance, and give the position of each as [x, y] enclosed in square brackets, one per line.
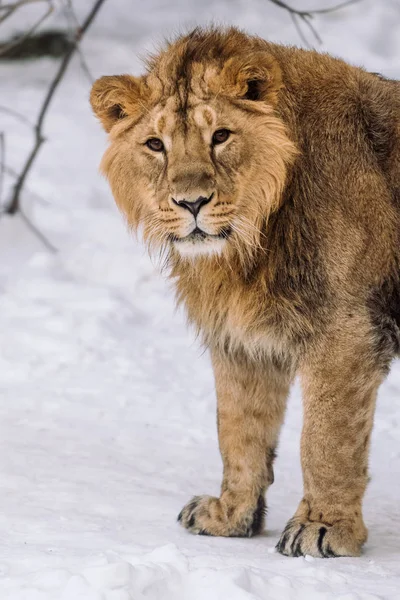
[106, 430]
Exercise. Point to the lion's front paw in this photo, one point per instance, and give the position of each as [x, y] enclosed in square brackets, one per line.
[206, 515]
[322, 540]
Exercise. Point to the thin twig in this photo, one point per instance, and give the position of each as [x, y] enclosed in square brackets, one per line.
[14, 205]
[324, 11]
[77, 26]
[9, 9]
[306, 16]
[24, 217]
[10, 171]
[317, 11]
[15, 5]
[14, 174]
[16, 115]
[37, 232]
[26, 35]
[295, 20]
[8, 13]
[311, 27]
[2, 164]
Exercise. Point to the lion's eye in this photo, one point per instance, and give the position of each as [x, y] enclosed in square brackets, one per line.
[155, 144]
[220, 136]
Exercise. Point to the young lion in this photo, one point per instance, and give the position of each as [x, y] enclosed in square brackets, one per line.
[271, 178]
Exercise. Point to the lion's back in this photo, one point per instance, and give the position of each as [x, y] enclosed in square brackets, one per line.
[346, 122]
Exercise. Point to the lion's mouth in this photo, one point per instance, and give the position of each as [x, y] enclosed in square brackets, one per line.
[198, 235]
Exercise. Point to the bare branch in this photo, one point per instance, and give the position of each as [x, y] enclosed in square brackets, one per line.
[15, 5]
[9, 9]
[2, 163]
[7, 14]
[317, 11]
[19, 40]
[306, 16]
[37, 232]
[14, 174]
[16, 115]
[311, 27]
[324, 11]
[14, 205]
[77, 26]
[295, 20]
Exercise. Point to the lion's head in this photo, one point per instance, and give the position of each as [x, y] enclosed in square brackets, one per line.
[198, 155]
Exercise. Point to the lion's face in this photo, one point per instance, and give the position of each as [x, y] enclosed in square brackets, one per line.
[198, 162]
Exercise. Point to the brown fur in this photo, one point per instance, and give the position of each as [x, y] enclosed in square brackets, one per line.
[303, 212]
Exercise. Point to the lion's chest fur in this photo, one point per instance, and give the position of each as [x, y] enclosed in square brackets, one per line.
[237, 316]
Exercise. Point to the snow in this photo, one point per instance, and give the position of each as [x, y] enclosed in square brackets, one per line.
[107, 423]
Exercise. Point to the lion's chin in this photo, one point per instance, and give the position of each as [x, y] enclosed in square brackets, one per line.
[193, 246]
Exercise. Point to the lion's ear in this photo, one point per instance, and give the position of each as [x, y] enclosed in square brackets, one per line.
[115, 97]
[255, 76]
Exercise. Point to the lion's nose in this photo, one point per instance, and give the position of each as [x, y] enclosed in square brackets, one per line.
[195, 205]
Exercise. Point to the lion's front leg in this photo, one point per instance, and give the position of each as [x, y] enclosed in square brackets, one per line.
[251, 405]
[340, 387]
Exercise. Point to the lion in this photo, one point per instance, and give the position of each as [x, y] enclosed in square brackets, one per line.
[269, 179]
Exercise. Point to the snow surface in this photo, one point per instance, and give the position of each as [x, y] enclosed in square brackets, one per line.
[107, 422]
